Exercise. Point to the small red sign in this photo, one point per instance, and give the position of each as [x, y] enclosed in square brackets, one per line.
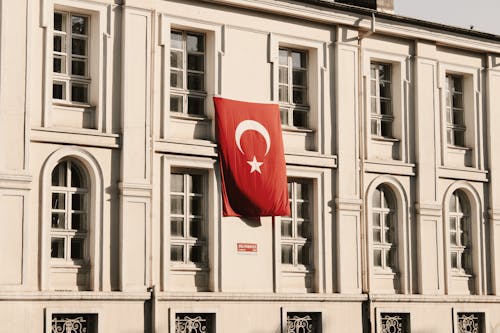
[247, 247]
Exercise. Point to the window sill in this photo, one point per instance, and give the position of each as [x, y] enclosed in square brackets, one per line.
[65, 265]
[459, 275]
[187, 268]
[300, 269]
[182, 116]
[292, 129]
[82, 107]
[384, 139]
[384, 273]
[459, 148]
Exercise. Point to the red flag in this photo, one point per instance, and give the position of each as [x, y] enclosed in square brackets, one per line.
[252, 160]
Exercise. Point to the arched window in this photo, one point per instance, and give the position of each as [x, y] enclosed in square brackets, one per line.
[460, 233]
[384, 229]
[69, 230]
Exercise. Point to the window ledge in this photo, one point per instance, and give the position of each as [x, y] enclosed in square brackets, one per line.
[82, 107]
[292, 129]
[186, 268]
[384, 139]
[455, 274]
[186, 117]
[384, 273]
[459, 148]
[292, 270]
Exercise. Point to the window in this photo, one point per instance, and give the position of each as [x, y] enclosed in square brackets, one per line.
[74, 323]
[470, 322]
[187, 73]
[195, 323]
[303, 322]
[395, 322]
[71, 58]
[69, 213]
[455, 124]
[294, 108]
[296, 230]
[460, 233]
[188, 220]
[384, 229]
[381, 100]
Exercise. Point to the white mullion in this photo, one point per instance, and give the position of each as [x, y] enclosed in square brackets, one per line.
[184, 73]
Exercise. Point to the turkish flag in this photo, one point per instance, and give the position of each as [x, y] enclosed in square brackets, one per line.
[252, 160]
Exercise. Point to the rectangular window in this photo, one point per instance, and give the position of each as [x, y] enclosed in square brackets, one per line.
[381, 117]
[455, 124]
[395, 322]
[74, 322]
[195, 323]
[470, 322]
[70, 57]
[187, 73]
[188, 220]
[293, 88]
[297, 229]
[303, 322]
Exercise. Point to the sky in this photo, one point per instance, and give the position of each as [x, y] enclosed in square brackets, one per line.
[484, 15]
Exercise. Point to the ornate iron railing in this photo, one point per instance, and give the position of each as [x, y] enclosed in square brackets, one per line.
[70, 323]
[468, 323]
[392, 323]
[296, 324]
[194, 323]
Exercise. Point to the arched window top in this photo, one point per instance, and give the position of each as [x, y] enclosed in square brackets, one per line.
[70, 173]
[459, 203]
[383, 198]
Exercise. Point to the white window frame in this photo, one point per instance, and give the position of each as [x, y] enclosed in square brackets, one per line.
[459, 249]
[187, 241]
[295, 240]
[183, 92]
[318, 71]
[205, 166]
[67, 78]
[97, 280]
[384, 246]
[288, 107]
[67, 233]
[377, 115]
[214, 50]
[100, 57]
[452, 125]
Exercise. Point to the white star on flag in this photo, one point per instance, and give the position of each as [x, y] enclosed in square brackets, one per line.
[255, 165]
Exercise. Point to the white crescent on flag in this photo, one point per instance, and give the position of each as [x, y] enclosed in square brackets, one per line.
[252, 125]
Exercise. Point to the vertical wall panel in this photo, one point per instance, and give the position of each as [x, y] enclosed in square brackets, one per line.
[11, 238]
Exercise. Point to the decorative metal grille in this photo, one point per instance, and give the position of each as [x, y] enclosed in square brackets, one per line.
[74, 323]
[392, 323]
[193, 323]
[302, 323]
[469, 323]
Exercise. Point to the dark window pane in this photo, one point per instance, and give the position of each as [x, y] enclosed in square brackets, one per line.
[176, 182]
[79, 25]
[177, 253]
[77, 201]
[196, 184]
[77, 221]
[78, 67]
[377, 258]
[299, 77]
[176, 40]
[298, 60]
[59, 44]
[176, 79]
[59, 22]
[175, 103]
[457, 101]
[57, 248]
[79, 93]
[457, 84]
[77, 179]
[196, 106]
[195, 81]
[377, 238]
[57, 220]
[196, 205]
[385, 89]
[59, 175]
[303, 255]
[176, 59]
[195, 228]
[196, 254]
[195, 43]
[59, 64]
[386, 129]
[177, 227]
[286, 254]
[58, 201]
[77, 248]
[196, 62]
[299, 96]
[286, 228]
[454, 260]
[459, 138]
[304, 229]
[79, 46]
[176, 204]
[300, 118]
[385, 107]
[58, 90]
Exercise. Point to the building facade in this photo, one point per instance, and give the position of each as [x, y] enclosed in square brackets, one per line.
[110, 205]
